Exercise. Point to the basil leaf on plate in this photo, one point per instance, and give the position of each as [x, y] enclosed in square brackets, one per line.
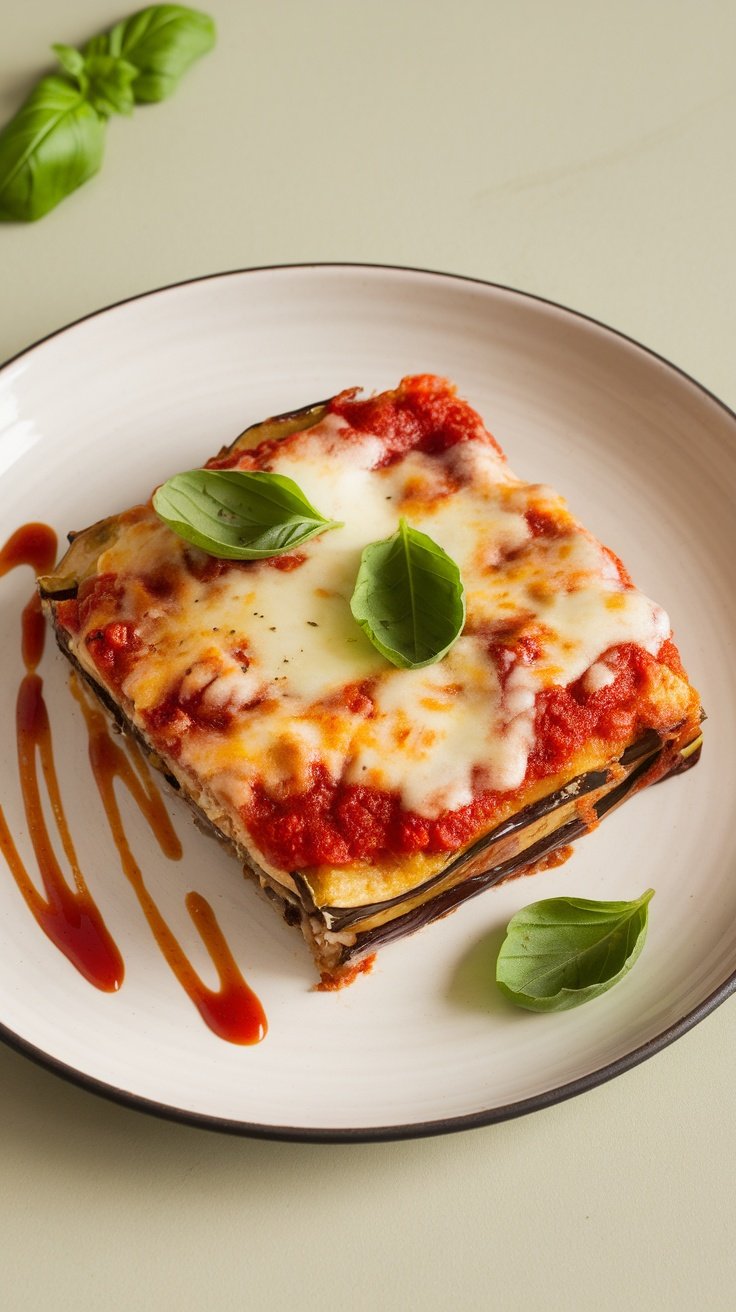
[239, 514]
[49, 148]
[565, 951]
[162, 42]
[409, 598]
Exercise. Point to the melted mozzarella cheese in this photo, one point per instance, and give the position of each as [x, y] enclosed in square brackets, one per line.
[283, 644]
[440, 719]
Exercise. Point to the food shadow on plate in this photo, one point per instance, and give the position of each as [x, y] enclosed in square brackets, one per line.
[472, 984]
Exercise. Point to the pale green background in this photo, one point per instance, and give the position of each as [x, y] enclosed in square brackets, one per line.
[580, 150]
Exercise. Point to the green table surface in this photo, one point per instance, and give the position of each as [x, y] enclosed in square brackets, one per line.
[580, 151]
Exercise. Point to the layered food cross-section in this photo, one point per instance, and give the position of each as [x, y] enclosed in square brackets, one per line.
[366, 799]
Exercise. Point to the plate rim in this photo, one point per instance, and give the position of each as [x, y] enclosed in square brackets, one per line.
[412, 1130]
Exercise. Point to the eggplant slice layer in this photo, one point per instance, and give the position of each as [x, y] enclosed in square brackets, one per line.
[527, 841]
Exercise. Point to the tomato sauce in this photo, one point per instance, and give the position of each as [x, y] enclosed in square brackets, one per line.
[177, 714]
[113, 649]
[423, 413]
[543, 524]
[333, 823]
[286, 563]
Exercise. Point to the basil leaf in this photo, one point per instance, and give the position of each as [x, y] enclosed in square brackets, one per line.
[97, 45]
[71, 60]
[162, 42]
[409, 598]
[109, 84]
[53, 144]
[565, 951]
[239, 514]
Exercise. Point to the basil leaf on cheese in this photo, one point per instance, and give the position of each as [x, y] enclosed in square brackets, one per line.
[409, 598]
[565, 951]
[239, 514]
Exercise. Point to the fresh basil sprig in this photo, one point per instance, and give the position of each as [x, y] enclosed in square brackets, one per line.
[409, 598]
[565, 951]
[56, 140]
[105, 82]
[239, 514]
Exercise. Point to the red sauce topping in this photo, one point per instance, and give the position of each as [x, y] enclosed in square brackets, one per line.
[543, 524]
[206, 568]
[113, 649]
[292, 560]
[177, 714]
[424, 413]
[333, 823]
[621, 569]
[96, 596]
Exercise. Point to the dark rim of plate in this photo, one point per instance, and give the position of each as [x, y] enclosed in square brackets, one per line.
[422, 1129]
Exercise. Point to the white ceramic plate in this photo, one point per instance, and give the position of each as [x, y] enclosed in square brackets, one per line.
[90, 420]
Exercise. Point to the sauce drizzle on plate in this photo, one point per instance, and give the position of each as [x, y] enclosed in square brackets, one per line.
[232, 1011]
[69, 915]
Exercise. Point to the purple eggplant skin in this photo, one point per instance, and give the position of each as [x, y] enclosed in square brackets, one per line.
[645, 748]
[79, 561]
[275, 428]
[524, 863]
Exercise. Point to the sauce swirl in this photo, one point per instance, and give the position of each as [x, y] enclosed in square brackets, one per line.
[68, 915]
[233, 1011]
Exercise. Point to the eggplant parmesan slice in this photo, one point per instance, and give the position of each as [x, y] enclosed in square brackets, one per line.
[366, 800]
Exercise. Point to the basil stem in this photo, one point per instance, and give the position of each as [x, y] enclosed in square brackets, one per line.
[409, 598]
[565, 951]
[238, 514]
